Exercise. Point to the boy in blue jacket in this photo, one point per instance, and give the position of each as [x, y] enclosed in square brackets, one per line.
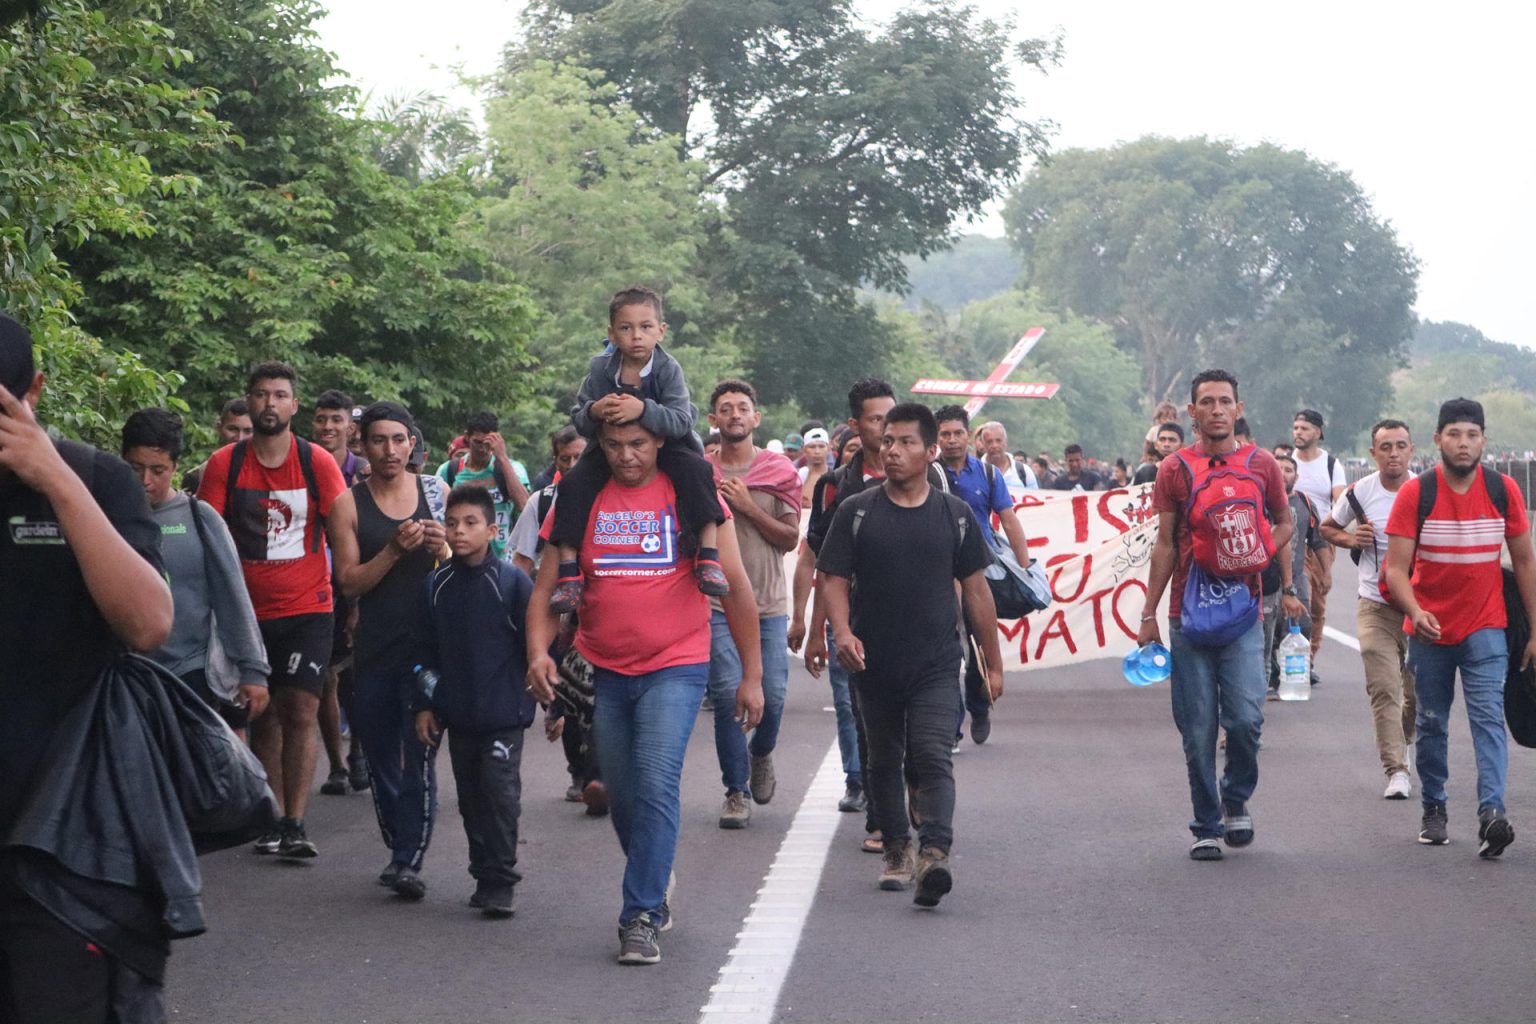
[635, 379]
[472, 673]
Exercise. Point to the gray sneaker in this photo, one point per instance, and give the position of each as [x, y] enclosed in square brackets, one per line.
[853, 800]
[736, 812]
[763, 783]
[1433, 832]
[897, 866]
[638, 942]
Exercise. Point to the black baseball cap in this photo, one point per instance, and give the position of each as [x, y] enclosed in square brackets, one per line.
[17, 368]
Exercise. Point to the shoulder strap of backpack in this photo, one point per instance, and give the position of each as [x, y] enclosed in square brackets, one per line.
[937, 477]
[1354, 503]
[232, 478]
[451, 473]
[1429, 489]
[1493, 483]
[499, 473]
[991, 472]
[1331, 463]
[307, 467]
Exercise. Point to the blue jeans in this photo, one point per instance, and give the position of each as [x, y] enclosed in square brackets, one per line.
[731, 744]
[642, 725]
[1483, 659]
[403, 771]
[847, 722]
[1222, 685]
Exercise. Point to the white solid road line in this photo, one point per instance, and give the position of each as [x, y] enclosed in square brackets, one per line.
[749, 983]
[1343, 638]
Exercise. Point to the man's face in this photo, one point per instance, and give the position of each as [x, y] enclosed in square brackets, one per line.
[1283, 449]
[1305, 433]
[1288, 473]
[331, 428]
[1075, 464]
[565, 458]
[479, 445]
[1215, 410]
[154, 469]
[954, 440]
[816, 452]
[273, 406]
[387, 446]
[636, 330]
[468, 530]
[1392, 448]
[631, 452]
[1461, 445]
[234, 428]
[1167, 443]
[735, 417]
[903, 452]
[871, 422]
[994, 441]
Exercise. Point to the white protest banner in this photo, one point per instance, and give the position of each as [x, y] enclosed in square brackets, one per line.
[1096, 549]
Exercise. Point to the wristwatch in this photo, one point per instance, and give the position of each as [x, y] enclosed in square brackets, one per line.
[1288, 591]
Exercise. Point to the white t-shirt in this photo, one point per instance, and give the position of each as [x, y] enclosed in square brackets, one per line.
[1312, 480]
[1377, 502]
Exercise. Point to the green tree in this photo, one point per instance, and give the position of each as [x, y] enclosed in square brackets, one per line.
[73, 137]
[1203, 253]
[300, 245]
[830, 151]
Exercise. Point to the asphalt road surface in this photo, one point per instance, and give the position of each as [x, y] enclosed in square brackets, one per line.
[1074, 896]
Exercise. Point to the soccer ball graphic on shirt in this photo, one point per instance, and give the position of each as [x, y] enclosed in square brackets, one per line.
[650, 543]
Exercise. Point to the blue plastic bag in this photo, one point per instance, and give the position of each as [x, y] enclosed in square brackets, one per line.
[1216, 611]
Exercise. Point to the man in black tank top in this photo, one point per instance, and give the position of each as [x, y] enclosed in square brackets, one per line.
[388, 538]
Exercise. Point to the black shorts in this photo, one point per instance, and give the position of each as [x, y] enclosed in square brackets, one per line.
[299, 650]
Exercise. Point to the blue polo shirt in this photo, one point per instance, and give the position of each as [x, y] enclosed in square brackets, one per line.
[983, 497]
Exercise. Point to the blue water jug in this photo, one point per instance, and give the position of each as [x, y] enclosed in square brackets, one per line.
[1147, 665]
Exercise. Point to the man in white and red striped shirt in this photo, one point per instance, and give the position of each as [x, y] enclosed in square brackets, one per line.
[1454, 600]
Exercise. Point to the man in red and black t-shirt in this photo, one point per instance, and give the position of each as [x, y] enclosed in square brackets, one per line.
[276, 504]
[1224, 683]
[1443, 572]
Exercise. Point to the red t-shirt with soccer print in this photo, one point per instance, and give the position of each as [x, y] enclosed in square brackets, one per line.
[1456, 572]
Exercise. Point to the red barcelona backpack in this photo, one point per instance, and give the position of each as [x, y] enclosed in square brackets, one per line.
[1225, 512]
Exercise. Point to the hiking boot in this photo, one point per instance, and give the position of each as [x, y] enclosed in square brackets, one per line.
[1205, 849]
[1432, 832]
[853, 800]
[711, 579]
[638, 942]
[1238, 826]
[1494, 833]
[495, 900]
[666, 921]
[595, 795]
[981, 728]
[933, 877]
[294, 844]
[268, 843]
[573, 793]
[736, 812]
[897, 865]
[388, 876]
[409, 884]
[567, 595]
[357, 773]
[335, 784]
[1399, 787]
[763, 782]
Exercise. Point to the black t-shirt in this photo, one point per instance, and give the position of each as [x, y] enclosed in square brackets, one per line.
[1089, 481]
[1146, 473]
[54, 639]
[904, 564]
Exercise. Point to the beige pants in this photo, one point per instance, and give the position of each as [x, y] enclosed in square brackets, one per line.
[1320, 579]
[1388, 681]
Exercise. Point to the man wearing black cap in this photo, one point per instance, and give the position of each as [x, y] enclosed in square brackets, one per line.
[80, 580]
[388, 536]
[1321, 479]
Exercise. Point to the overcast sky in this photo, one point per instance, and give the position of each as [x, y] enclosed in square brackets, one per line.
[1425, 110]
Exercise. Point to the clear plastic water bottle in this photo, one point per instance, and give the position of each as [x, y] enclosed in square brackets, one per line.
[426, 681]
[1294, 659]
[1147, 665]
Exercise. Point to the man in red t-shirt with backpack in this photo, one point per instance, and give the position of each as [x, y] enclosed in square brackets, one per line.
[1444, 537]
[1213, 541]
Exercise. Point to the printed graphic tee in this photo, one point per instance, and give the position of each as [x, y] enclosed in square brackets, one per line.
[274, 524]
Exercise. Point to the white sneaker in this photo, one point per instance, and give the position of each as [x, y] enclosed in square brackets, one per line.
[1399, 787]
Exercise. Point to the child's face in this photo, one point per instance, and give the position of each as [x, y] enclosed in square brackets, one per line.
[635, 331]
[469, 533]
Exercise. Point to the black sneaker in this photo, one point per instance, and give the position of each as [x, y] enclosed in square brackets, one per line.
[1238, 826]
[268, 843]
[388, 876]
[853, 800]
[335, 784]
[410, 885]
[573, 793]
[495, 900]
[981, 728]
[478, 897]
[1205, 849]
[1494, 833]
[1314, 681]
[1432, 832]
[357, 773]
[933, 877]
[294, 844]
[638, 942]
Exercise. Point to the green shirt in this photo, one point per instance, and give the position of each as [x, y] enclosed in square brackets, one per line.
[504, 507]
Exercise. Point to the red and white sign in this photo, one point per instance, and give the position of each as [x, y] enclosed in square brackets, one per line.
[984, 388]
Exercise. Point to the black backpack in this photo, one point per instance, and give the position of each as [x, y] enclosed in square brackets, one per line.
[306, 466]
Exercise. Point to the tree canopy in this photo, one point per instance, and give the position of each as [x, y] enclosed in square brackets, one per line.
[1202, 253]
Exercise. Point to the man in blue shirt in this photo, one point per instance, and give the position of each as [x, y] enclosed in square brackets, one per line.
[983, 488]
